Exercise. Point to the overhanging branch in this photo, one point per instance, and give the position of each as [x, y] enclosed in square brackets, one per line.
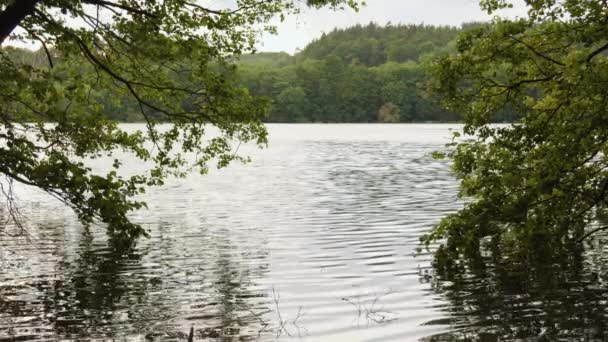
[597, 52]
[13, 14]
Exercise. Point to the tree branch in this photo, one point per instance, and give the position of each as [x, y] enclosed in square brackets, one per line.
[535, 80]
[592, 232]
[13, 14]
[47, 52]
[109, 5]
[536, 52]
[597, 52]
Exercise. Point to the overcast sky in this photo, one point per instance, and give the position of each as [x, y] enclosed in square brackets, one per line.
[298, 31]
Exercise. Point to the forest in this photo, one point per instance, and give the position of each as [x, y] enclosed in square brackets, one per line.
[365, 73]
[360, 74]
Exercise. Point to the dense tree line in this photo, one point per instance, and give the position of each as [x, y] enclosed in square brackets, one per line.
[359, 74]
[331, 90]
[365, 73]
[373, 45]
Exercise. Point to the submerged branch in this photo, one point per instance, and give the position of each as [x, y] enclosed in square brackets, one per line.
[592, 232]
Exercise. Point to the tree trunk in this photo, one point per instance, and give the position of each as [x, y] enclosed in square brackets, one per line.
[13, 14]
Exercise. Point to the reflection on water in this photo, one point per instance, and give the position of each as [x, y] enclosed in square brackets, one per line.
[549, 293]
[315, 240]
[97, 292]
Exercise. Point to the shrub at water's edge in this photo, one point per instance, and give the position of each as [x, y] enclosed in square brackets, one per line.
[544, 178]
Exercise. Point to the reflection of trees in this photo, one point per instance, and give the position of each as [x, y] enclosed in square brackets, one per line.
[157, 291]
[80, 299]
[543, 292]
[98, 296]
[235, 310]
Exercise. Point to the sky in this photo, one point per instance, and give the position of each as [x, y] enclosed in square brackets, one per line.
[297, 32]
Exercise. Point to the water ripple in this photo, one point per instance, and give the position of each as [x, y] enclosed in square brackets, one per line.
[314, 240]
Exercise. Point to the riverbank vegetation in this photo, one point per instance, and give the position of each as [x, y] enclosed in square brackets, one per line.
[544, 179]
[365, 73]
[169, 61]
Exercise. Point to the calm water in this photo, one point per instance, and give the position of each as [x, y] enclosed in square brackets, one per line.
[315, 240]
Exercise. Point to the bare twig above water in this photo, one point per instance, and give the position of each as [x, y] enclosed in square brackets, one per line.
[369, 309]
[13, 214]
[284, 323]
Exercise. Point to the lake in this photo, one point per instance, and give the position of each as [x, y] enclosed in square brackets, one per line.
[315, 240]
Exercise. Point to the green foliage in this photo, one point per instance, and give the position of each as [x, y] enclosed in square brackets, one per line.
[169, 62]
[346, 76]
[332, 79]
[373, 45]
[545, 176]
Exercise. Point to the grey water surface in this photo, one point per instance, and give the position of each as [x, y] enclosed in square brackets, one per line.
[315, 240]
